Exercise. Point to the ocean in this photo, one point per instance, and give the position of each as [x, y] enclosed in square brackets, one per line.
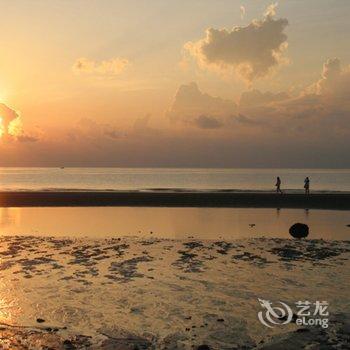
[173, 179]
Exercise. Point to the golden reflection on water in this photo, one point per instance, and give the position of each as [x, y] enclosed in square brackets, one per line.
[10, 217]
[206, 223]
[9, 306]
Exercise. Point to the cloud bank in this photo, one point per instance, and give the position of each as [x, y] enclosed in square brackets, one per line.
[90, 130]
[321, 112]
[311, 129]
[252, 51]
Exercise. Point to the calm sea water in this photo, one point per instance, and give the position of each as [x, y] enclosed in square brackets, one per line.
[170, 179]
[179, 223]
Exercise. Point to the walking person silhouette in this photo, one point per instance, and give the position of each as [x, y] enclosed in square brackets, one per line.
[278, 185]
[307, 185]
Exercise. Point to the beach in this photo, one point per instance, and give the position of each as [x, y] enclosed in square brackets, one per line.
[170, 268]
[150, 293]
[225, 199]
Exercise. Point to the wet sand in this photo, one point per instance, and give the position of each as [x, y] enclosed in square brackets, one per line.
[151, 293]
[224, 199]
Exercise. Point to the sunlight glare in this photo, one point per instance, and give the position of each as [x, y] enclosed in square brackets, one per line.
[15, 127]
[2, 129]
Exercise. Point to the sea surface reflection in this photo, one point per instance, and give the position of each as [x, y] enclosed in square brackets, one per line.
[204, 223]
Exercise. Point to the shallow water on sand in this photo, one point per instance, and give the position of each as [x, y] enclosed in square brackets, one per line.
[174, 278]
[205, 223]
[175, 293]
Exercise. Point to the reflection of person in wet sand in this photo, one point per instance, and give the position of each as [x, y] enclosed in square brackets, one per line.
[307, 185]
[278, 185]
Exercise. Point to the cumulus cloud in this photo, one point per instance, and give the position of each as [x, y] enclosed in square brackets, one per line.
[335, 80]
[190, 103]
[271, 10]
[193, 107]
[320, 112]
[7, 115]
[114, 66]
[11, 126]
[252, 51]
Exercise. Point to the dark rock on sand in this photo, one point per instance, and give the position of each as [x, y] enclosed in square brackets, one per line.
[40, 320]
[299, 230]
[203, 347]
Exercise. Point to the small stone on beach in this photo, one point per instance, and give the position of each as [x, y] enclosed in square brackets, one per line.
[203, 347]
[299, 230]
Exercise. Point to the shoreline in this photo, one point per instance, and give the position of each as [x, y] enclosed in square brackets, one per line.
[335, 201]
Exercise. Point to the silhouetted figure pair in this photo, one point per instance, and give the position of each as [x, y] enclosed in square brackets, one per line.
[306, 185]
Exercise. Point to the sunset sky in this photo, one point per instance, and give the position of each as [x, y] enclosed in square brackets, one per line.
[209, 83]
